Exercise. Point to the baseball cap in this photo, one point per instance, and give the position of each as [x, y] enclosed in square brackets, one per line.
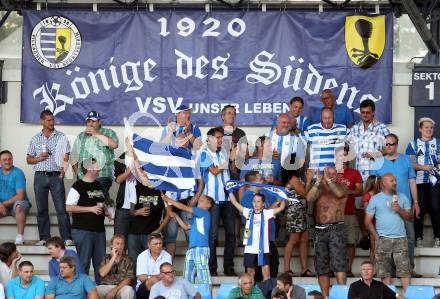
[93, 115]
[182, 108]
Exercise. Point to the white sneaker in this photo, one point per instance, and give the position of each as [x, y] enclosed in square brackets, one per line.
[436, 242]
[19, 240]
[69, 242]
[41, 243]
[419, 243]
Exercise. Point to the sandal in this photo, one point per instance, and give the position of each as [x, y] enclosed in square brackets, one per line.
[290, 272]
[308, 273]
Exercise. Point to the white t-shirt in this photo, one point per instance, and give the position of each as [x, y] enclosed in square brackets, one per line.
[5, 273]
[146, 265]
[253, 230]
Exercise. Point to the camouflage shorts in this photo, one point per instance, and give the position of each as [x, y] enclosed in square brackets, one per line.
[330, 251]
[296, 215]
[389, 250]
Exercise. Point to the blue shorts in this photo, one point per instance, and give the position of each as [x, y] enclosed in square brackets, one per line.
[251, 260]
[24, 203]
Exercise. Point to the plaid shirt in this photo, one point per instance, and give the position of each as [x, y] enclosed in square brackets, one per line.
[364, 141]
[119, 271]
[86, 147]
[237, 292]
[57, 146]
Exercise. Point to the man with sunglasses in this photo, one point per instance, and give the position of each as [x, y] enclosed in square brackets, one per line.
[171, 287]
[116, 272]
[402, 168]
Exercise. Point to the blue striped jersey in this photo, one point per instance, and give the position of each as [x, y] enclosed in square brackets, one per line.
[423, 150]
[214, 184]
[323, 143]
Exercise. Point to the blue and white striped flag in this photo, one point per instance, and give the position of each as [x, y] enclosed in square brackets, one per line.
[169, 168]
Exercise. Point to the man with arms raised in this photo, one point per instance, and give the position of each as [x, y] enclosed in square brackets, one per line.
[329, 241]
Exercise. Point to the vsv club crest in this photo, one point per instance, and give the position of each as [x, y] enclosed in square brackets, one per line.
[365, 39]
[55, 42]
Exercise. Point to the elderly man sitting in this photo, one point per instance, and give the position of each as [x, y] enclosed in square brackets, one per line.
[246, 288]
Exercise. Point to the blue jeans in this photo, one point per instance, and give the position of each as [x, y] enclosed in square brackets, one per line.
[122, 222]
[172, 228]
[42, 185]
[226, 212]
[136, 244]
[429, 202]
[90, 246]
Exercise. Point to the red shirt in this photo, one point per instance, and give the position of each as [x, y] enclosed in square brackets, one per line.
[350, 177]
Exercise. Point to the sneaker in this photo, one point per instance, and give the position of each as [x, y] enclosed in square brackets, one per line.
[230, 272]
[41, 243]
[19, 240]
[414, 274]
[69, 242]
[419, 243]
[436, 242]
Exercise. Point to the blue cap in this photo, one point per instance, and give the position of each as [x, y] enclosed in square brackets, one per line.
[182, 108]
[93, 115]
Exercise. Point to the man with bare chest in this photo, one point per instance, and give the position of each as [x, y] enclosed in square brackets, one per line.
[329, 240]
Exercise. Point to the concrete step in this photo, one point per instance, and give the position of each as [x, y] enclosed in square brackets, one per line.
[427, 259]
[8, 230]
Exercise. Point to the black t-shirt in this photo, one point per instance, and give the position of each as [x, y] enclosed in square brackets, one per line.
[377, 290]
[119, 168]
[89, 195]
[141, 225]
[238, 136]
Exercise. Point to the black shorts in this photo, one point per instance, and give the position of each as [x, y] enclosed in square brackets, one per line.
[251, 260]
[330, 251]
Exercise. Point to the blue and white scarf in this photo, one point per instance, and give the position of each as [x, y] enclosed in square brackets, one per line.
[277, 191]
[249, 235]
[434, 174]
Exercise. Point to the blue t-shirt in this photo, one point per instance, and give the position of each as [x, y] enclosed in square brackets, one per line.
[180, 130]
[11, 183]
[264, 167]
[200, 226]
[388, 222]
[246, 201]
[342, 114]
[15, 290]
[78, 288]
[54, 265]
[402, 168]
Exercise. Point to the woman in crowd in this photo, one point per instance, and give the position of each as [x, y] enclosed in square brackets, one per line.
[296, 224]
[372, 187]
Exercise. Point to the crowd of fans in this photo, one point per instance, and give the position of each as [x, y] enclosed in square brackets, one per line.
[346, 180]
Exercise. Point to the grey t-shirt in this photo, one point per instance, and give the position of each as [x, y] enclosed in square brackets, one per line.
[297, 292]
[180, 289]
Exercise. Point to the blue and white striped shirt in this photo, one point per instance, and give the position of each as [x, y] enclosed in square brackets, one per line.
[423, 150]
[370, 140]
[57, 146]
[214, 184]
[323, 143]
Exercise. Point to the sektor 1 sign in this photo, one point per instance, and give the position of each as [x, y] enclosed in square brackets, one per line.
[425, 88]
